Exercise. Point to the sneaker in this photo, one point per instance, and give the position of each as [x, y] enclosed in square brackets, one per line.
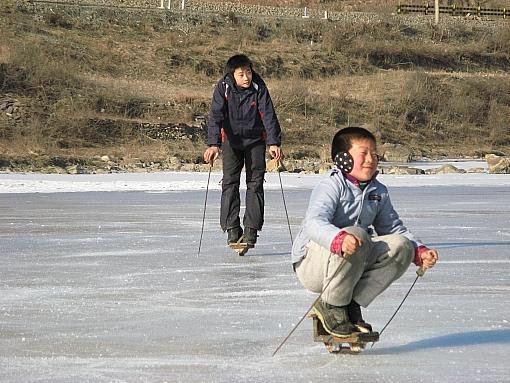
[334, 319]
[356, 318]
[234, 234]
[250, 236]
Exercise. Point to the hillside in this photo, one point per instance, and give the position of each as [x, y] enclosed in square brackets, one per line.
[125, 89]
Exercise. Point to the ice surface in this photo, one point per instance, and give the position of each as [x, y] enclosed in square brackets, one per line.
[100, 281]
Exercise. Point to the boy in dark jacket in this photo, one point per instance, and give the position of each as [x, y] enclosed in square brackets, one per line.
[242, 122]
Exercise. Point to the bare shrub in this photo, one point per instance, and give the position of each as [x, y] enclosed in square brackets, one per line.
[469, 102]
[499, 41]
[143, 150]
[77, 133]
[57, 20]
[420, 106]
[176, 59]
[292, 98]
[185, 150]
[272, 66]
[207, 67]
[232, 18]
[122, 103]
[295, 31]
[474, 99]
[263, 31]
[421, 95]
[407, 56]
[347, 37]
[6, 128]
[195, 107]
[135, 107]
[498, 124]
[465, 109]
[452, 32]
[33, 71]
[4, 54]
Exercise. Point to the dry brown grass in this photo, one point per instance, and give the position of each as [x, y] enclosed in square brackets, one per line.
[4, 53]
[432, 89]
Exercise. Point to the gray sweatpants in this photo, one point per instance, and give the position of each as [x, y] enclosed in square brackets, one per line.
[363, 276]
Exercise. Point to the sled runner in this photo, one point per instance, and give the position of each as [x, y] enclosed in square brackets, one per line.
[240, 247]
[352, 344]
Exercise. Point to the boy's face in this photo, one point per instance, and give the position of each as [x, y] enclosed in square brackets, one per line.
[364, 154]
[243, 77]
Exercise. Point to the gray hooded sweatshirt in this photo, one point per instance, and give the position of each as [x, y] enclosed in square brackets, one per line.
[337, 202]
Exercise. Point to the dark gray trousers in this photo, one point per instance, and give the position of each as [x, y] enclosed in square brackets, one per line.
[253, 158]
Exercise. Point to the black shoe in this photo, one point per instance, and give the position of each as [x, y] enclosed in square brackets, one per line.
[250, 236]
[334, 319]
[356, 318]
[234, 234]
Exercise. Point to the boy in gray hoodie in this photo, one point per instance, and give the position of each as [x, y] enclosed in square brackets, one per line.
[352, 244]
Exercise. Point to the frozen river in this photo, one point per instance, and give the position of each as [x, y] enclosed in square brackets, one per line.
[106, 286]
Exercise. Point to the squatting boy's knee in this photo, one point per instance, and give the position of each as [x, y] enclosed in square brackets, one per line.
[366, 242]
[359, 233]
[403, 250]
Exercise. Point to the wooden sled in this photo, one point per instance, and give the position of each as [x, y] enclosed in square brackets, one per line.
[240, 248]
[350, 345]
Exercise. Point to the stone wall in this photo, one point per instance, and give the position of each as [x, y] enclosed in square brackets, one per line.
[190, 6]
[196, 7]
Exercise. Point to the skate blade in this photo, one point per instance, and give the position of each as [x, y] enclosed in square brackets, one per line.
[240, 246]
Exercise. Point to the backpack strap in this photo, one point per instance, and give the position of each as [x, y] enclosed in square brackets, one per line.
[226, 90]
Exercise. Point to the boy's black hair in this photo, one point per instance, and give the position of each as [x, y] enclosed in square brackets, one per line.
[342, 141]
[237, 61]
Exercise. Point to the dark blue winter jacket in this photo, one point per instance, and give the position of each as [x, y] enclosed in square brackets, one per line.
[242, 116]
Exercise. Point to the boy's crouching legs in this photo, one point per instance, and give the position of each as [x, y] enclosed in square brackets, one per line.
[336, 277]
[391, 257]
[333, 275]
